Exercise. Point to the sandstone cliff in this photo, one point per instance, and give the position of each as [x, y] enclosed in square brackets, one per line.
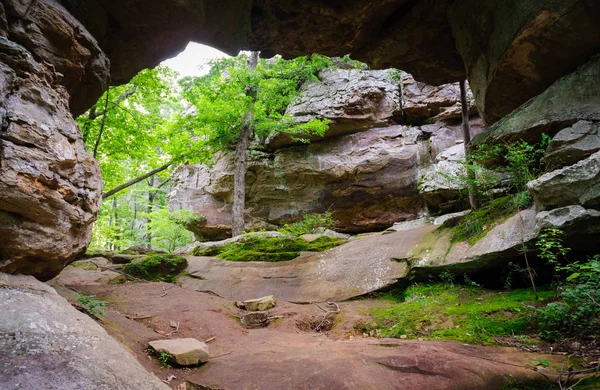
[365, 170]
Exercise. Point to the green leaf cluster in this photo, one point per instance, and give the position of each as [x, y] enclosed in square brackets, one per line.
[309, 224]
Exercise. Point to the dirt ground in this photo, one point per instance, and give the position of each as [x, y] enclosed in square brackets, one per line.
[288, 354]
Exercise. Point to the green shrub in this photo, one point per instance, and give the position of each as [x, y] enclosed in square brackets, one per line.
[270, 249]
[576, 313]
[156, 268]
[309, 223]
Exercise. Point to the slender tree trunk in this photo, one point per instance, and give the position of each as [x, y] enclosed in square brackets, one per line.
[102, 123]
[136, 180]
[241, 150]
[466, 127]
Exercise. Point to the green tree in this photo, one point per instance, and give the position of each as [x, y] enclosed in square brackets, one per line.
[242, 97]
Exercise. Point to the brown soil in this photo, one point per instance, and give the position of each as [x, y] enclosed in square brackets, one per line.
[288, 353]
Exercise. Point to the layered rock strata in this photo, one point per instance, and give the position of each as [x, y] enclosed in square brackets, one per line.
[49, 185]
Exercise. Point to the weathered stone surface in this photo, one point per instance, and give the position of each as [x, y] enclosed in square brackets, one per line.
[52, 34]
[577, 184]
[46, 344]
[121, 258]
[260, 304]
[184, 352]
[573, 98]
[573, 143]
[440, 185]
[513, 50]
[570, 220]
[367, 180]
[315, 277]
[352, 100]
[49, 185]
[501, 244]
[426, 103]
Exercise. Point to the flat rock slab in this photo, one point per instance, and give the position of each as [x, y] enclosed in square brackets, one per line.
[260, 304]
[45, 343]
[184, 352]
[356, 268]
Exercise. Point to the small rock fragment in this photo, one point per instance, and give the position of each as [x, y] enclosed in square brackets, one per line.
[260, 304]
[184, 352]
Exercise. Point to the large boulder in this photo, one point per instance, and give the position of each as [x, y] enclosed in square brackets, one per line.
[49, 185]
[572, 144]
[46, 344]
[577, 184]
[351, 99]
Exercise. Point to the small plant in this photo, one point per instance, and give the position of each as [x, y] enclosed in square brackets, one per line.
[89, 304]
[577, 311]
[447, 278]
[309, 223]
[550, 245]
[469, 282]
[164, 359]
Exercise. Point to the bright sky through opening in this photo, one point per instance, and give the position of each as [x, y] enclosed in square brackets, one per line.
[194, 59]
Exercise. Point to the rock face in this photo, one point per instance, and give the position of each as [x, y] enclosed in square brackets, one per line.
[367, 177]
[184, 352]
[352, 100]
[574, 98]
[49, 185]
[260, 304]
[46, 344]
[577, 184]
[513, 50]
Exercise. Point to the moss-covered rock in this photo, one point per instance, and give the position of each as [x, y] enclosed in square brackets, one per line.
[269, 249]
[157, 268]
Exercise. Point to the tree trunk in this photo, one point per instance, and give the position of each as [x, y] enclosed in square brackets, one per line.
[136, 180]
[466, 127]
[241, 149]
[102, 124]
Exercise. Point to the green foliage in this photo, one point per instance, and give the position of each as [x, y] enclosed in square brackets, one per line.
[443, 311]
[270, 249]
[576, 310]
[479, 222]
[156, 268]
[89, 303]
[164, 359]
[523, 162]
[168, 228]
[309, 223]
[550, 245]
[221, 101]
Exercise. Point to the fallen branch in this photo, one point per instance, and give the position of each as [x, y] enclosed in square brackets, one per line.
[137, 318]
[173, 332]
[210, 339]
[327, 316]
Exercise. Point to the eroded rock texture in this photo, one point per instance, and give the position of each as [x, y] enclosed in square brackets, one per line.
[45, 343]
[367, 177]
[49, 185]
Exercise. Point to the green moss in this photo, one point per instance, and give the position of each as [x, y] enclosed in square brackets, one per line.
[441, 311]
[481, 221]
[156, 268]
[85, 265]
[270, 249]
[309, 223]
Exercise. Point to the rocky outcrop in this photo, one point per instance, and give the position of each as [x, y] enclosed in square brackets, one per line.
[46, 344]
[352, 100]
[573, 144]
[514, 50]
[577, 184]
[49, 185]
[366, 175]
[575, 97]
[427, 103]
[368, 180]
